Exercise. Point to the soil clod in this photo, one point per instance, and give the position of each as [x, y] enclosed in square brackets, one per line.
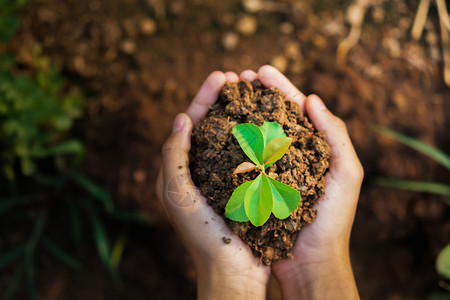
[215, 154]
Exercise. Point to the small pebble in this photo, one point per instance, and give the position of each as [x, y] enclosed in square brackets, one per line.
[253, 5]
[147, 26]
[286, 28]
[280, 62]
[246, 25]
[128, 46]
[230, 40]
[139, 176]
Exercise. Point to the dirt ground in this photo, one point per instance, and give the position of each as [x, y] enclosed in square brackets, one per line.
[140, 62]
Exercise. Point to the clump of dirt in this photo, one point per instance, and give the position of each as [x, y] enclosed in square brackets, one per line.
[215, 153]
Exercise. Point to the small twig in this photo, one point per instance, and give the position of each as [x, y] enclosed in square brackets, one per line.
[421, 17]
[345, 46]
[445, 39]
[355, 16]
[443, 13]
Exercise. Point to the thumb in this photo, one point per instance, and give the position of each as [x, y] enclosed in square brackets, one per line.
[344, 161]
[176, 176]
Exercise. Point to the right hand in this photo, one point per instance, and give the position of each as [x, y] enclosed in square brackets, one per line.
[321, 252]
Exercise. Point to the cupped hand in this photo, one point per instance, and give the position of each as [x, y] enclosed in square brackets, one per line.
[321, 256]
[226, 267]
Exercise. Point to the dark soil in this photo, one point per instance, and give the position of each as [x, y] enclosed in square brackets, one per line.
[215, 153]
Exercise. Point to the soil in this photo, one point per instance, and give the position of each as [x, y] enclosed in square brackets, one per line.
[136, 78]
[215, 153]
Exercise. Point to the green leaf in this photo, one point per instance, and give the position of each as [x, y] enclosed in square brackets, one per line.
[251, 141]
[29, 276]
[270, 131]
[285, 199]
[61, 255]
[417, 145]
[414, 185]
[443, 262]
[69, 147]
[275, 150]
[101, 242]
[118, 248]
[94, 190]
[235, 209]
[258, 200]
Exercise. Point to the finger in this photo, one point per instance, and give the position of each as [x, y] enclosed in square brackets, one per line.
[248, 75]
[231, 77]
[343, 161]
[178, 187]
[271, 77]
[206, 96]
[183, 202]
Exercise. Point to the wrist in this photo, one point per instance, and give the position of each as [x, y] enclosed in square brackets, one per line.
[319, 275]
[228, 282]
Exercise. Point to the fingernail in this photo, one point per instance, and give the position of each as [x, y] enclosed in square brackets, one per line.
[179, 122]
[317, 102]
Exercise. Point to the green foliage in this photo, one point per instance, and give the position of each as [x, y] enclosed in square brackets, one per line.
[44, 196]
[414, 185]
[417, 145]
[255, 200]
[9, 20]
[251, 141]
[443, 260]
[34, 119]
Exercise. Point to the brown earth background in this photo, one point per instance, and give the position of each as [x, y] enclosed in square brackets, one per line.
[140, 62]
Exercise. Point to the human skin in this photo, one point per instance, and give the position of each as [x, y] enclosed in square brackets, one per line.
[321, 266]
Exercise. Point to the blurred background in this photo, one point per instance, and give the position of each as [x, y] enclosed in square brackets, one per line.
[88, 93]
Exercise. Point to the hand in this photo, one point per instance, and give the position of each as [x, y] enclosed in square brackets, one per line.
[224, 270]
[321, 266]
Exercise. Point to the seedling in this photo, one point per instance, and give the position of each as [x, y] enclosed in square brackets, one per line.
[255, 200]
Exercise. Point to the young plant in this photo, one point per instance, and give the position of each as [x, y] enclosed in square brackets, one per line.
[255, 200]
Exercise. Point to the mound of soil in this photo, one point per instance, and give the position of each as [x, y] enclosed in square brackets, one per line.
[215, 153]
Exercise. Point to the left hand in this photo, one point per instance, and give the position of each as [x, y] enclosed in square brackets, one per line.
[225, 271]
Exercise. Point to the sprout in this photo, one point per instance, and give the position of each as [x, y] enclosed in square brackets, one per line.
[255, 200]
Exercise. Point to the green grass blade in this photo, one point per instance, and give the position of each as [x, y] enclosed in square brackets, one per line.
[119, 246]
[101, 241]
[94, 190]
[11, 256]
[7, 203]
[414, 185]
[13, 283]
[61, 255]
[29, 276]
[36, 233]
[29, 252]
[417, 145]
